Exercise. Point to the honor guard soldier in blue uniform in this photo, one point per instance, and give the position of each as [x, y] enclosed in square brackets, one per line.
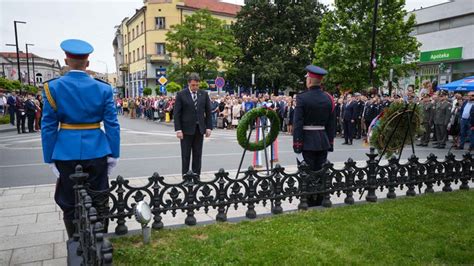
[74, 106]
[314, 124]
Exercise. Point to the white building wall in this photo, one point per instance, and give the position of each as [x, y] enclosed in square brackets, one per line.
[443, 11]
[451, 38]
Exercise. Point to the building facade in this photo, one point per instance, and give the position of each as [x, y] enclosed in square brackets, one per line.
[445, 32]
[40, 69]
[143, 57]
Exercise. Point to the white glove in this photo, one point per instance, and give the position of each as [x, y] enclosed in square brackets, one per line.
[111, 164]
[54, 169]
[299, 157]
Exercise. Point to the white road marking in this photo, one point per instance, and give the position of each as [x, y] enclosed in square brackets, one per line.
[23, 141]
[16, 137]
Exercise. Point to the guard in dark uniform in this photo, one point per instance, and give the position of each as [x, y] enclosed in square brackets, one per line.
[75, 105]
[314, 124]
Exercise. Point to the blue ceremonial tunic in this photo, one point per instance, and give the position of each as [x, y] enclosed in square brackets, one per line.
[79, 99]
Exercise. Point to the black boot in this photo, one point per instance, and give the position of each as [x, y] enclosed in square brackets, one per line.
[70, 228]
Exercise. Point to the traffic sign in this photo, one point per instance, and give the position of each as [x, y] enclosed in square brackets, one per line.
[162, 89]
[220, 82]
[162, 80]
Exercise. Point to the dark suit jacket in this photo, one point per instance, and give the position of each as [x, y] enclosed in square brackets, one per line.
[472, 118]
[186, 116]
[349, 111]
[30, 107]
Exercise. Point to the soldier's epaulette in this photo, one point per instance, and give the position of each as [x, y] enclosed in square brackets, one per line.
[102, 81]
[50, 80]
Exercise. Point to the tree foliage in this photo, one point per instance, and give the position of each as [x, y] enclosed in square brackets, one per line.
[203, 85]
[173, 87]
[15, 85]
[147, 91]
[344, 44]
[277, 41]
[204, 43]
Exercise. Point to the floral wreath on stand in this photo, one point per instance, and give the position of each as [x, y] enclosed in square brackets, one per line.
[248, 121]
[385, 125]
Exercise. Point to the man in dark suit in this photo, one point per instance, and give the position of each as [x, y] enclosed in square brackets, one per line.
[11, 103]
[192, 119]
[30, 109]
[349, 117]
[359, 109]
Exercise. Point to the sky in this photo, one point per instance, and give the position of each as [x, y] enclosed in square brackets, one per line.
[51, 21]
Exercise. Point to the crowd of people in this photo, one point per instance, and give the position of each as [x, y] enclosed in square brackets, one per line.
[444, 114]
[22, 109]
[226, 110]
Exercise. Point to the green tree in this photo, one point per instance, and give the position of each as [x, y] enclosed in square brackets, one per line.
[277, 41]
[29, 88]
[344, 44]
[147, 91]
[5, 84]
[173, 87]
[203, 85]
[204, 42]
[15, 85]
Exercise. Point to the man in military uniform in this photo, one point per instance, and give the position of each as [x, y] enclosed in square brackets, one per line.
[442, 115]
[314, 124]
[427, 119]
[74, 106]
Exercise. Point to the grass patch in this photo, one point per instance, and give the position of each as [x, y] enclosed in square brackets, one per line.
[428, 229]
[4, 119]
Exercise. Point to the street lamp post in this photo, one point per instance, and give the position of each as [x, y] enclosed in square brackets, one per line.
[34, 72]
[17, 49]
[372, 53]
[28, 63]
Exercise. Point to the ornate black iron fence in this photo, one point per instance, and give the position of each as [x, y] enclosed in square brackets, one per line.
[88, 246]
[254, 188]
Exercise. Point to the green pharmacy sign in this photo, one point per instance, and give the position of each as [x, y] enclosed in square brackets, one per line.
[441, 55]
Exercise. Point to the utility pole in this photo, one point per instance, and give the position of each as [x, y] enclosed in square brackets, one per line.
[372, 53]
[28, 63]
[33, 63]
[17, 49]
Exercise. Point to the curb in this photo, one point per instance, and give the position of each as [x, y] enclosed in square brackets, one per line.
[7, 129]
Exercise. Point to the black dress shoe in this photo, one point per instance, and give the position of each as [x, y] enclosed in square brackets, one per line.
[345, 143]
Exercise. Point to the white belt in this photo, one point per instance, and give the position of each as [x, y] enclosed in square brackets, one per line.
[314, 128]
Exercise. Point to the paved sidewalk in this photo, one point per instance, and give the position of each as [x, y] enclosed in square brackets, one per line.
[7, 128]
[32, 231]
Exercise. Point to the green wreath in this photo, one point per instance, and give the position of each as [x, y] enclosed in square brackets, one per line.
[386, 125]
[248, 120]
